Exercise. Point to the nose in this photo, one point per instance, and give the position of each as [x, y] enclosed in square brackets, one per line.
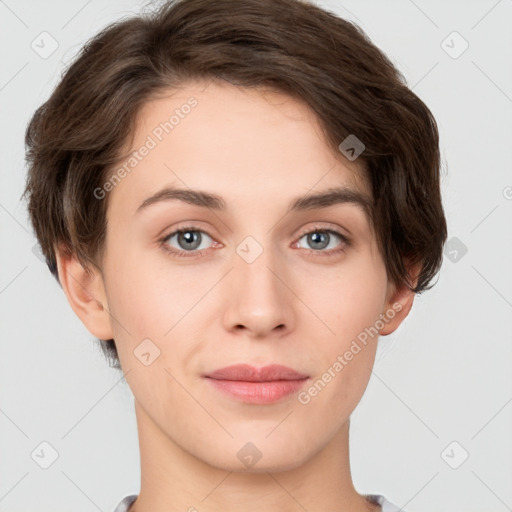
[260, 302]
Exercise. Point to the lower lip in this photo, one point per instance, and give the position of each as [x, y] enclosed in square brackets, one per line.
[258, 392]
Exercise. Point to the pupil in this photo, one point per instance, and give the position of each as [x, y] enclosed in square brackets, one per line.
[189, 237]
[314, 239]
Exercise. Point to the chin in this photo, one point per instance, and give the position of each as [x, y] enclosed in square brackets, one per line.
[254, 457]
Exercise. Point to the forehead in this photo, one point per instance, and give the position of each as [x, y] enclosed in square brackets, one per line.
[235, 141]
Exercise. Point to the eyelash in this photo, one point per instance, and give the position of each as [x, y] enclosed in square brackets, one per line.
[190, 254]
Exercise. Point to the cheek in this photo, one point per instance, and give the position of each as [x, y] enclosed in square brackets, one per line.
[145, 288]
[349, 299]
[152, 299]
[350, 306]
[345, 357]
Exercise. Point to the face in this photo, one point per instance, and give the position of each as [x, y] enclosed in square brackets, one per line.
[251, 276]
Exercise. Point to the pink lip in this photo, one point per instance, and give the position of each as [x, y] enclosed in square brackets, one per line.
[257, 385]
[250, 373]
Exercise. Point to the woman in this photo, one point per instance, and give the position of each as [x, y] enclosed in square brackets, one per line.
[238, 198]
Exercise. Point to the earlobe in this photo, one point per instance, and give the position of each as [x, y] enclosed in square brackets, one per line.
[398, 306]
[85, 291]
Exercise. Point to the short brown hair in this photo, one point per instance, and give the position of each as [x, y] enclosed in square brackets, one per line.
[295, 47]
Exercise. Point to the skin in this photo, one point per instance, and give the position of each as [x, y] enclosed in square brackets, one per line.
[293, 305]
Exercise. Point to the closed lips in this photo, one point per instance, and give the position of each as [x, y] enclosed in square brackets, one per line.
[248, 373]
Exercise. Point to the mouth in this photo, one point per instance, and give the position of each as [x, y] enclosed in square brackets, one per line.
[253, 385]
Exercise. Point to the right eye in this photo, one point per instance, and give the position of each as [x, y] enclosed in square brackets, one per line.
[188, 240]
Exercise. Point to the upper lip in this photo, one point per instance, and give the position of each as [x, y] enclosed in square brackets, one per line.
[248, 373]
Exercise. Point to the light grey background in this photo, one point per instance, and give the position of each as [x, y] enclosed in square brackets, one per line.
[444, 376]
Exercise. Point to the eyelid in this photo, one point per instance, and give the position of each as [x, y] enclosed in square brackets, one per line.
[346, 240]
[183, 228]
[315, 227]
[326, 227]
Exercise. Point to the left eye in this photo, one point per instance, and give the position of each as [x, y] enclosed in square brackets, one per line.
[320, 239]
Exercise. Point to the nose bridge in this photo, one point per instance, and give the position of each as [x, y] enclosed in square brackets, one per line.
[254, 263]
[259, 301]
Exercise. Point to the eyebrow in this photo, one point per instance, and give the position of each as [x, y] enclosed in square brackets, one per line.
[324, 199]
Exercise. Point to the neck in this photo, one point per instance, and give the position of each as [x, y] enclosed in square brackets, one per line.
[174, 480]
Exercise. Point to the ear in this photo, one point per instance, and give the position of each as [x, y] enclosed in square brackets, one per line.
[399, 300]
[85, 291]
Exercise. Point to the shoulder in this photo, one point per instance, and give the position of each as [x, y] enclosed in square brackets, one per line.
[386, 506]
[125, 503]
